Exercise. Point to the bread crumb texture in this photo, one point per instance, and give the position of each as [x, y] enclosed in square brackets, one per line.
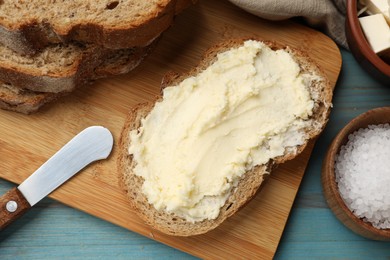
[53, 59]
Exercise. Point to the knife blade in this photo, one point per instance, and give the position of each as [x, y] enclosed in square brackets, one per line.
[92, 144]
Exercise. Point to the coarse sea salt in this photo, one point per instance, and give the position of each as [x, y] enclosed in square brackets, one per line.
[363, 174]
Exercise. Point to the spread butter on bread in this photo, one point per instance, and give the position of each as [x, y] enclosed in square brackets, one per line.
[203, 149]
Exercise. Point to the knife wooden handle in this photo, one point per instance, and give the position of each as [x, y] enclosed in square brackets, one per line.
[12, 206]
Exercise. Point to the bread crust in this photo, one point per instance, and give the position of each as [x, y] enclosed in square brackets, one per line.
[30, 36]
[251, 181]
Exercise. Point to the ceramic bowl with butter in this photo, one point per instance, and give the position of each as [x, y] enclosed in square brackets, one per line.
[360, 47]
[361, 179]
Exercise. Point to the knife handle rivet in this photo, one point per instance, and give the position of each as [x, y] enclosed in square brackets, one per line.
[11, 206]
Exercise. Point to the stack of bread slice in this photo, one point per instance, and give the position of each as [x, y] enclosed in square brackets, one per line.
[48, 48]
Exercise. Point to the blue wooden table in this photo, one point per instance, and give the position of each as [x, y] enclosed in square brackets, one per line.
[54, 231]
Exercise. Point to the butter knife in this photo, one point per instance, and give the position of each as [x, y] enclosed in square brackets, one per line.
[92, 144]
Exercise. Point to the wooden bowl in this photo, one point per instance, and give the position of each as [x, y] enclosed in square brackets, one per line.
[329, 185]
[361, 49]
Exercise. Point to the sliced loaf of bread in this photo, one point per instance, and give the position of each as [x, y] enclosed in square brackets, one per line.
[28, 26]
[26, 101]
[60, 67]
[248, 185]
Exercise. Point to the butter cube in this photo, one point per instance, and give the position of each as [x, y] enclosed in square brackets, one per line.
[377, 32]
[379, 7]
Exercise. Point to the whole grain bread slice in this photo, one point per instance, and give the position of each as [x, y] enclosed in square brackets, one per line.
[28, 26]
[251, 181]
[59, 67]
[25, 101]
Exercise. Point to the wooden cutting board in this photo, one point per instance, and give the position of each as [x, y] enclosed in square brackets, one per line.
[28, 141]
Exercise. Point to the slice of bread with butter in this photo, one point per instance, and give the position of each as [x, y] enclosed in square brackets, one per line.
[202, 150]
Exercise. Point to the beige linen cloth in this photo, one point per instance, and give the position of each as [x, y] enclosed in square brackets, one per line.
[325, 15]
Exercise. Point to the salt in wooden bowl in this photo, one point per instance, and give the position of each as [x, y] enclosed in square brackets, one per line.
[361, 49]
[328, 178]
